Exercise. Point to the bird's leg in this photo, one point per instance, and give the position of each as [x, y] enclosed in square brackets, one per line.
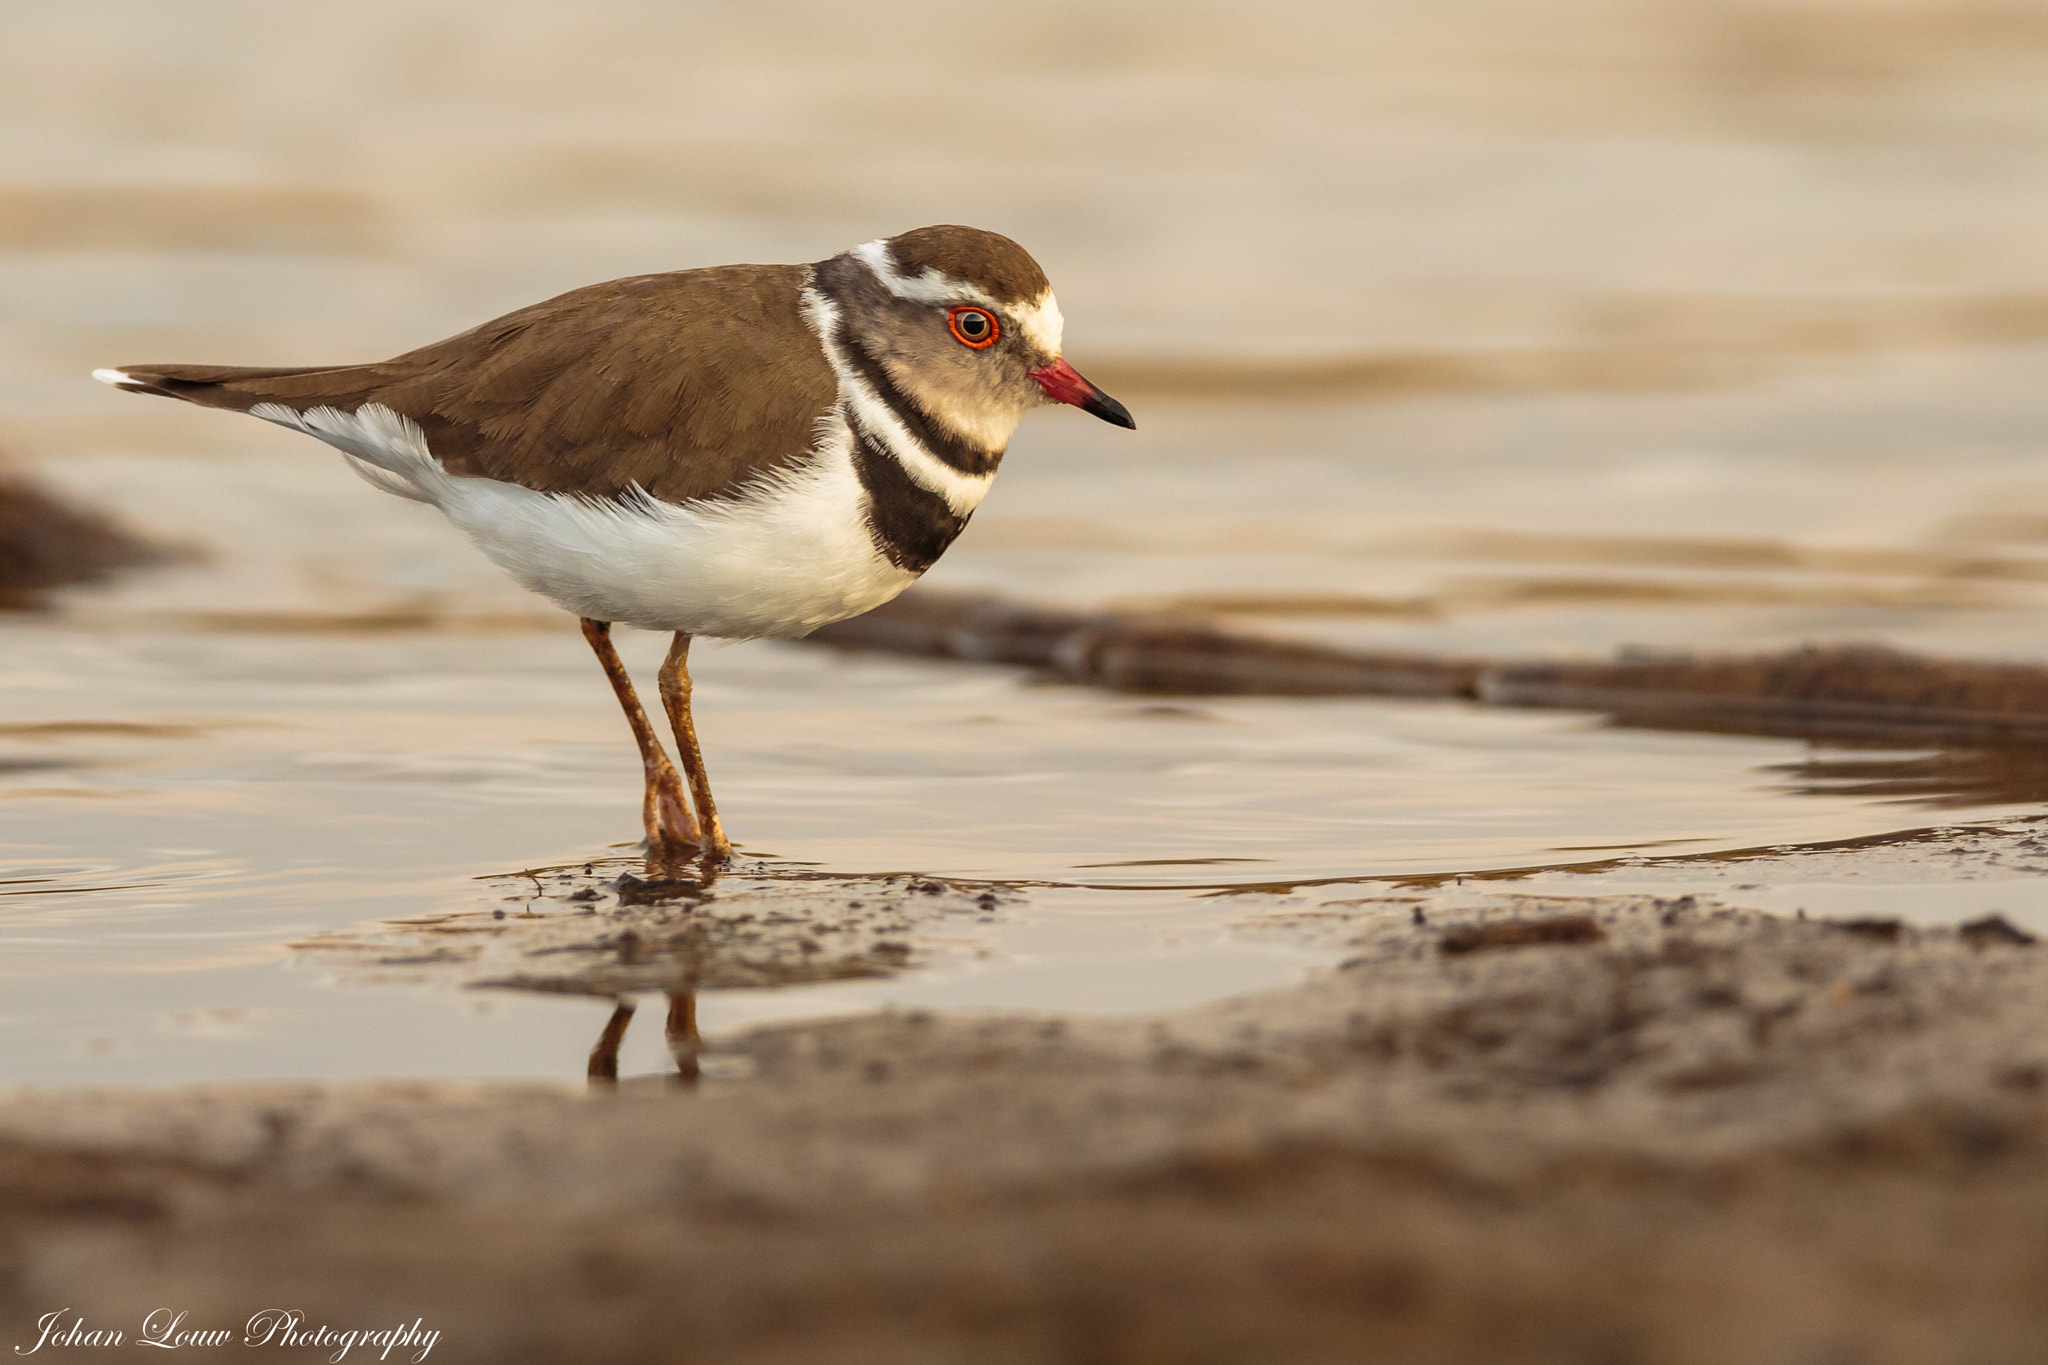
[670, 828]
[675, 696]
[604, 1058]
[683, 1043]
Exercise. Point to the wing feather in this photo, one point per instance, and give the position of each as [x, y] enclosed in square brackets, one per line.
[687, 384]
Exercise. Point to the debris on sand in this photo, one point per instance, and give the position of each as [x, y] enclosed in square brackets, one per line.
[1522, 934]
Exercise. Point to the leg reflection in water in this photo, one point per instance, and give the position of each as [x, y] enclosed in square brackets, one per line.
[683, 1043]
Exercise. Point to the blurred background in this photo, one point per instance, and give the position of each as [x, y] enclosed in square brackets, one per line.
[1380, 275]
[1523, 327]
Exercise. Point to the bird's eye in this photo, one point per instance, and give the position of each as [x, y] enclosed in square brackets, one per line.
[975, 328]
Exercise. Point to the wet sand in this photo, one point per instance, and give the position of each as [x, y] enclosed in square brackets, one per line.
[1507, 1128]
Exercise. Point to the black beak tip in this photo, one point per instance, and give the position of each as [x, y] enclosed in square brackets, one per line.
[1111, 411]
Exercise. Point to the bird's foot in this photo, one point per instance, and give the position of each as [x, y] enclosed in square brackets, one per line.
[713, 850]
[671, 859]
[672, 821]
[673, 836]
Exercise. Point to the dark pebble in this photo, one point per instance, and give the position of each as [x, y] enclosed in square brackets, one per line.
[1881, 930]
[642, 891]
[1982, 933]
[1522, 933]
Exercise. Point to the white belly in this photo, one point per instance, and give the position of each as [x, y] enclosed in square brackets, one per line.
[790, 556]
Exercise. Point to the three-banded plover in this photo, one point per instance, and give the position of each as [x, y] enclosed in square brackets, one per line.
[742, 451]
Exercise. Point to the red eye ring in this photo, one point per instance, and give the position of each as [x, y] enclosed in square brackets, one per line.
[968, 336]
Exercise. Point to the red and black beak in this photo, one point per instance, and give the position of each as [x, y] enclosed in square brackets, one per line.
[1063, 384]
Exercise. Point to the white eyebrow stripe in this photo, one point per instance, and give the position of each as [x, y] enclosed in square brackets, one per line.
[929, 287]
[1039, 320]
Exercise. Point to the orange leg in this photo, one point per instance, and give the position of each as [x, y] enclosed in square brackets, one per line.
[670, 828]
[675, 697]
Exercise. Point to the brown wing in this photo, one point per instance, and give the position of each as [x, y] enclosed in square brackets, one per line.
[686, 384]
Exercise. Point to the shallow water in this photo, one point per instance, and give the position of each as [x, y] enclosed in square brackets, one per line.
[1594, 324]
[343, 716]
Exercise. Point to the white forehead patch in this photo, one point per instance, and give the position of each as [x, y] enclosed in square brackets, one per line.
[1042, 322]
[1039, 319]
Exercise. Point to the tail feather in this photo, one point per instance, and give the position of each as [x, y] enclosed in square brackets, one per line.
[234, 387]
[333, 404]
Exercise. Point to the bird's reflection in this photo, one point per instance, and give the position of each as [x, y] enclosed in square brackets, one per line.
[684, 1044]
[593, 931]
[666, 877]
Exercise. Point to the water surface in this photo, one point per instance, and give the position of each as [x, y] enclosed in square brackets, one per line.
[1534, 329]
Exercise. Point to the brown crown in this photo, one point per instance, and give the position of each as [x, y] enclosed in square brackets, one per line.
[988, 260]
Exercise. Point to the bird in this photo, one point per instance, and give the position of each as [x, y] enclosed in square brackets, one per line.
[739, 451]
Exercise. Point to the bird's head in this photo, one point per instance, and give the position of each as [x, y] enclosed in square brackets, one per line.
[961, 321]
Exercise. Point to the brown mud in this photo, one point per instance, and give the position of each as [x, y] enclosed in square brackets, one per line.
[1509, 1128]
[592, 930]
[1837, 688]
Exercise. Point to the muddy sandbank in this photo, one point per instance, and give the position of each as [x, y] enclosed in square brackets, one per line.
[1833, 689]
[48, 541]
[1508, 1128]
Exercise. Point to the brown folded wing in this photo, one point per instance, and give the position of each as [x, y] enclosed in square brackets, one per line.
[686, 384]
